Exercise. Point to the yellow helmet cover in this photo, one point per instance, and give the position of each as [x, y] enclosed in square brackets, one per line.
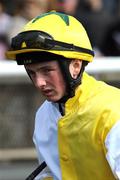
[55, 33]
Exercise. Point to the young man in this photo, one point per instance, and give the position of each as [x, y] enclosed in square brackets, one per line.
[77, 127]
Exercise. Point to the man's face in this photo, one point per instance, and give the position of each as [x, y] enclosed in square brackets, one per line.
[47, 78]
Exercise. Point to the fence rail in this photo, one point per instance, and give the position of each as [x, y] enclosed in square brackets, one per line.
[18, 154]
[101, 66]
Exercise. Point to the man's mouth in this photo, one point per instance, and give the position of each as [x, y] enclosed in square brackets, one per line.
[47, 92]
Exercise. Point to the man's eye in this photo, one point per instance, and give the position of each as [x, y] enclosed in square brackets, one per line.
[31, 73]
[48, 70]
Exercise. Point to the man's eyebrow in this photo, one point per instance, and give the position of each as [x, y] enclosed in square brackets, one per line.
[46, 67]
[30, 70]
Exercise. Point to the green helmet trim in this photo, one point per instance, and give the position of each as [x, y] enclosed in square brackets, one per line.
[64, 17]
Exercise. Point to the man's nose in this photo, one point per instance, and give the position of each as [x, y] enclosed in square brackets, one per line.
[40, 81]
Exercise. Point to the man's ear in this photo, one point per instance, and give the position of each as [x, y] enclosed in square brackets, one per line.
[75, 67]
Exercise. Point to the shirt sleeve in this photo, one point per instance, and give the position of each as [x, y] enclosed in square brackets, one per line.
[46, 173]
[112, 144]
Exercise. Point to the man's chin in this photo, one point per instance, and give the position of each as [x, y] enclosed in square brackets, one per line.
[52, 99]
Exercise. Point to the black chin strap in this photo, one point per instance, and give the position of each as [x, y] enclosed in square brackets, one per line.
[70, 82]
